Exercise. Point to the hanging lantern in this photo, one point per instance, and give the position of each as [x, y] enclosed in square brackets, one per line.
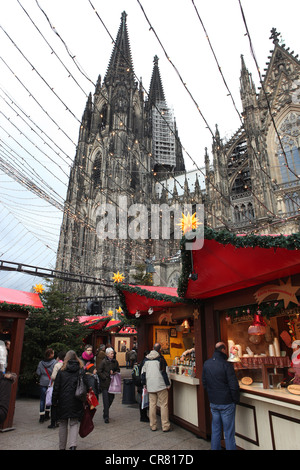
[258, 326]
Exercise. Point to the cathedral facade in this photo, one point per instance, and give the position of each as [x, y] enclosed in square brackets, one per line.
[129, 154]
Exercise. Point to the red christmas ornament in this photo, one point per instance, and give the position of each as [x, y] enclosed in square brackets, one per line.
[258, 327]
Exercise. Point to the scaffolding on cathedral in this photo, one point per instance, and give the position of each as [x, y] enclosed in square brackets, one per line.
[163, 134]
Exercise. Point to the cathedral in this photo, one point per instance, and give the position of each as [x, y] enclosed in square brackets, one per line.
[129, 155]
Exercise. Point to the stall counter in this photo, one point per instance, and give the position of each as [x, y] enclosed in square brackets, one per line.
[185, 404]
[267, 419]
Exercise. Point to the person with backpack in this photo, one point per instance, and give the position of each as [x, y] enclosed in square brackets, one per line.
[136, 377]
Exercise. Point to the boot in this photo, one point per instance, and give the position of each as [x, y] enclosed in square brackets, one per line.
[42, 418]
[47, 415]
[73, 448]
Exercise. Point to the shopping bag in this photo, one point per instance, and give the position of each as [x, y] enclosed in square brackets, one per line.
[115, 383]
[145, 399]
[81, 390]
[92, 399]
[49, 395]
[86, 424]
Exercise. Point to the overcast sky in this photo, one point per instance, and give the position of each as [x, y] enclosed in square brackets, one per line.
[51, 53]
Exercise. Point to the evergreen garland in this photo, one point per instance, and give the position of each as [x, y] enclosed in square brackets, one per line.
[289, 242]
[17, 307]
[144, 292]
[267, 309]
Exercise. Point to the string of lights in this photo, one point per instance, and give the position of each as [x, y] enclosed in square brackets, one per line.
[118, 136]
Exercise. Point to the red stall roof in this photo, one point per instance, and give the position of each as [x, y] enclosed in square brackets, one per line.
[142, 298]
[222, 267]
[97, 322]
[12, 296]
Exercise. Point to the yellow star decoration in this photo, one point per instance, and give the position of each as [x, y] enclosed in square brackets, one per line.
[39, 288]
[110, 313]
[118, 277]
[119, 310]
[188, 222]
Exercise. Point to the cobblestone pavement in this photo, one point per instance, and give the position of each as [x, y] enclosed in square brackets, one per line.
[125, 431]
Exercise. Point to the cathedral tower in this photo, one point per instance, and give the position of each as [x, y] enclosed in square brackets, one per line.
[121, 152]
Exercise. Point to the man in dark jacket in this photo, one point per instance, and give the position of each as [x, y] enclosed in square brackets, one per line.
[221, 384]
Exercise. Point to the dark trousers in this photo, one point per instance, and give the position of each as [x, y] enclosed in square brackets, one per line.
[108, 398]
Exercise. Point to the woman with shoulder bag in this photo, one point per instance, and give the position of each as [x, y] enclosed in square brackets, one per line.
[69, 408]
[108, 367]
[44, 371]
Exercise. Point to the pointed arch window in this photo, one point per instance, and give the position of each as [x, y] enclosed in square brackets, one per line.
[96, 172]
[289, 160]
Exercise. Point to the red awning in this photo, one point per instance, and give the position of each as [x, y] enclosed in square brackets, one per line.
[222, 268]
[127, 330]
[139, 299]
[96, 322]
[113, 325]
[18, 297]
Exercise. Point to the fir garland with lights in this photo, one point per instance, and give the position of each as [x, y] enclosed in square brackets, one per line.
[267, 309]
[289, 242]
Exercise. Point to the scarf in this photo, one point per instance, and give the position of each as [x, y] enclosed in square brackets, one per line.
[87, 357]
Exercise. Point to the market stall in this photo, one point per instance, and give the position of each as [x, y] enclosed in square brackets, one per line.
[164, 317]
[249, 285]
[15, 306]
[229, 281]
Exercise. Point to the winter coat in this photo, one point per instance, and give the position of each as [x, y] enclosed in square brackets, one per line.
[93, 382]
[41, 371]
[104, 371]
[156, 371]
[5, 391]
[219, 380]
[68, 406]
[99, 358]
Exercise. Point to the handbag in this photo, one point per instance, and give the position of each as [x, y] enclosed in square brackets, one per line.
[115, 383]
[49, 395]
[92, 399]
[86, 424]
[81, 390]
[145, 398]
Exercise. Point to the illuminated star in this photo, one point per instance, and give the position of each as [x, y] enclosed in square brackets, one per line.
[39, 288]
[188, 222]
[118, 277]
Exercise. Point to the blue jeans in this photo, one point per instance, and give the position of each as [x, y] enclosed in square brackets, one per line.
[223, 415]
[43, 391]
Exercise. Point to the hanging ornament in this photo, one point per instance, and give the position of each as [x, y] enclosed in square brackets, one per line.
[150, 311]
[137, 314]
[118, 277]
[258, 327]
[188, 222]
[39, 288]
[110, 313]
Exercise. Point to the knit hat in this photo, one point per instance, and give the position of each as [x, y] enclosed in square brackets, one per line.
[90, 367]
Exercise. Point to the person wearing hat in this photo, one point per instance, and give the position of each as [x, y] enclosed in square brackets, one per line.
[92, 379]
[108, 367]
